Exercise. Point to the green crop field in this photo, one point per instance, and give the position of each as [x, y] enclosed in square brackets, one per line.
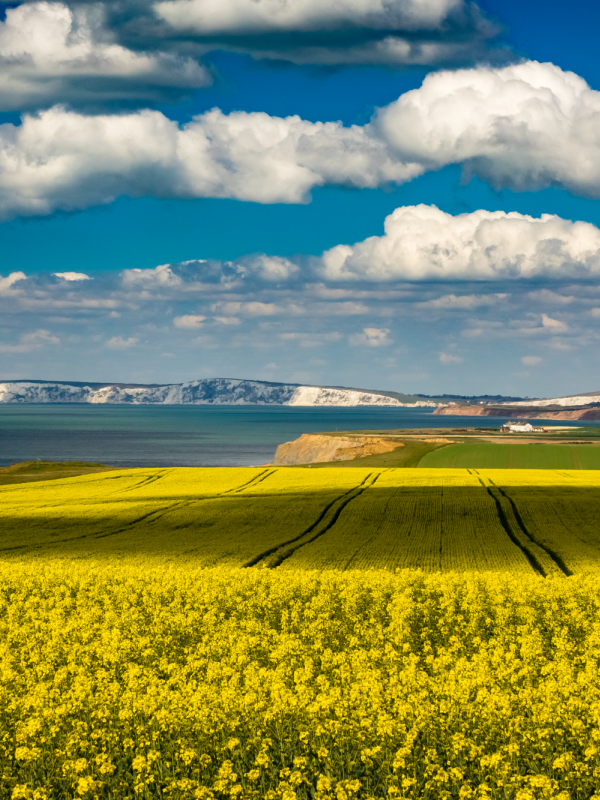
[485, 455]
[295, 634]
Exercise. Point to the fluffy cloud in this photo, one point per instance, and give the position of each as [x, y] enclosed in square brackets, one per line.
[64, 160]
[50, 53]
[555, 325]
[189, 321]
[30, 341]
[525, 126]
[393, 32]
[213, 17]
[371, 337]
[424, 243]
[72, 276]
[7, 283]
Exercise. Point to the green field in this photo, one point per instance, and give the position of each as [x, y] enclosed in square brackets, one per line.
[528, 521]
[486, 455]
[29, 471]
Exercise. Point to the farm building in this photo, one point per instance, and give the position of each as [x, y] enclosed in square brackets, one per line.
[519, 427]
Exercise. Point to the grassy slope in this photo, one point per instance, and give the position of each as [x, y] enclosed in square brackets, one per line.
[484, 455]
[28, 471]
[591, 432]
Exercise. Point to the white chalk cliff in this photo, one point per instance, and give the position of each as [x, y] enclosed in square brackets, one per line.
[572, 400]
[209, 391]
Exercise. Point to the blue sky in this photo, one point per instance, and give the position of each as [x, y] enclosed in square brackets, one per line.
[99, 181]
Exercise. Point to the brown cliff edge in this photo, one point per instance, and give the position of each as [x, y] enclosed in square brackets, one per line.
[523, 412]
[315, 448]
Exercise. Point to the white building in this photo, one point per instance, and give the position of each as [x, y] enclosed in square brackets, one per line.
[517, 427]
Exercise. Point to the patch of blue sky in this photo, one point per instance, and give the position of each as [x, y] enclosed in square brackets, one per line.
[142, 233]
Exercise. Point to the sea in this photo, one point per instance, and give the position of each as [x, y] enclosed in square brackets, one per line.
[168, 436]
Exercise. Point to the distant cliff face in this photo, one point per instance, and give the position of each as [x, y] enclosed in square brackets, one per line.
[211, 391]
[527, 412]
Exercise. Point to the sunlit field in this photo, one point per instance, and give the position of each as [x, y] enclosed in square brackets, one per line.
[487, 455]
[526, 521]
[284, 633]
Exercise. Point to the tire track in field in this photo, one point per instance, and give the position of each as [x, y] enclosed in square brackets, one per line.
[146, 481]
[262, 476]
[371, 538]
[88, 498]
[280, 554]
[150, 516]
[153, 516]
[142, 518]
[551, 553]
[523, 538]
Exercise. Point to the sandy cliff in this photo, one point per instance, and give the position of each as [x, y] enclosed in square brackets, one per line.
[313, 448]
[526, 412]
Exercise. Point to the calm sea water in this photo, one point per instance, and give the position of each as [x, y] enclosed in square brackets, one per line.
[142, 436]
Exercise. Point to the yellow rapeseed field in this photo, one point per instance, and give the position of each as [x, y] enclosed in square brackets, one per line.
[526, 521]
[301, 635]
[132, 681]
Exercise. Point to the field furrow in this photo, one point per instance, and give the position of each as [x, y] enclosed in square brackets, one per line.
[563, 524]
[436, 520]
[444, 529]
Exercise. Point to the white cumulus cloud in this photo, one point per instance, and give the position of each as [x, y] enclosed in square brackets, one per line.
[525, 126]
[64, 160]
[189, 321]
[554, 325]
[243, 16]
[10, 280]
[50, 53]
[393, 32]
[371, 337]
[72, 276]
[423, 242]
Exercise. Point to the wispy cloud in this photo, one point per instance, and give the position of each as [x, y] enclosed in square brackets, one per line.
[121, 343]
[371, 337]
[449, 358]
[189, 321]
[531, 361]
[31, 341]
